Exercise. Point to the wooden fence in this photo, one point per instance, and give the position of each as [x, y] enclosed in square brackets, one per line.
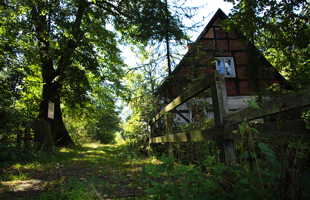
[225, 123]
[42, 134]
[17, 133]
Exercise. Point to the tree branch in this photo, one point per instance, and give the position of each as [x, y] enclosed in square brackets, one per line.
[116, 8]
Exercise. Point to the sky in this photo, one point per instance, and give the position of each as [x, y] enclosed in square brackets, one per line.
[208, 12]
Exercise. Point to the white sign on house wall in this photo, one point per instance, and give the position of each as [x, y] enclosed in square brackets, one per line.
[51, 108]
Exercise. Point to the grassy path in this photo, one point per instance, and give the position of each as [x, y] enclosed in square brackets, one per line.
[92, 171]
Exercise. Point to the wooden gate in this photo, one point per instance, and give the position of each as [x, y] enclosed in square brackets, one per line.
[225, 123]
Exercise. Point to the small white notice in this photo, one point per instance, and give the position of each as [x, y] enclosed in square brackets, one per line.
[51, 108]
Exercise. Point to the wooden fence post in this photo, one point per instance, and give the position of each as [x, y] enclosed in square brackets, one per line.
[220, 109]
[27, 135]
[19, 139]
[168, 120]
[151, 145]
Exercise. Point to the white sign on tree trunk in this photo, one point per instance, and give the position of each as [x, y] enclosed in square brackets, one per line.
[51, 108]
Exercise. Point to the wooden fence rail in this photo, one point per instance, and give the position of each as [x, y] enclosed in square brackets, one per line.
[225, 123]
[17, 133]
[42, 134]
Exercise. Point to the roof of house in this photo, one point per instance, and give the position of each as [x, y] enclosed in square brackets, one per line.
[218, 15]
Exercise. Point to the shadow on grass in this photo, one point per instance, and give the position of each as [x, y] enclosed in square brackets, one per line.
[13, 156]
[104, 162]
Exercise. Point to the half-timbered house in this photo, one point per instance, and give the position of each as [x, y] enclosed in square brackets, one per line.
[227, 52]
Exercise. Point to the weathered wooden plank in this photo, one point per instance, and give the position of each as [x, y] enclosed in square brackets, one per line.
[268, 130]
[10, 132]
[195, 136]
[199, 87]
[288, 102]
[180, 114]
[220, 108]
[27, 131]
[219, 100]
[169, 145]
[151, 146]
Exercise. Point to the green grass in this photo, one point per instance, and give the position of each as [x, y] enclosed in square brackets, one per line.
[114, 161]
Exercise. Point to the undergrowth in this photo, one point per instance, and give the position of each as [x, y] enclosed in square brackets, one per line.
[260, 174]
[273, 168]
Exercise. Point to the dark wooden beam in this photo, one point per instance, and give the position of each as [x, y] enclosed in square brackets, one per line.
[179, 113]
[195, 136]
[288, 102]
[196, 89]
[268, 130]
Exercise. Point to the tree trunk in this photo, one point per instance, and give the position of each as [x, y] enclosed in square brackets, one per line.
[167, 39]
[59, 132]
[52, 87]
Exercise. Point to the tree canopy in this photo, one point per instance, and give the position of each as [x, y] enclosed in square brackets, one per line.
[281, 31]
[69, 50]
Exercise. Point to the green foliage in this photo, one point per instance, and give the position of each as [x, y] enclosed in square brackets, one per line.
[71, 190]
[155, 13]
[104, 130]
[94, 121]
[73, 57]
[9, 117]
[218, 181]
[167, 181]
[11, 177]
[280, 30]
[141, 107]
[198, 153]
[13, 153]
[277, 168]
[306, 118]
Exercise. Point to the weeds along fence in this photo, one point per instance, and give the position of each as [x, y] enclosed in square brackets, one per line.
[225, 124]
[17, 133]
[41, 132]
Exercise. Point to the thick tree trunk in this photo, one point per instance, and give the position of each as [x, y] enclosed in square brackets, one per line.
[52, 87]
[59, 132]
[50, 93]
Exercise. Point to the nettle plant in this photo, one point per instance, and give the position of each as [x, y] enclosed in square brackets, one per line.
[268, 169]
[201, 114]
[278, 170]
[171, 181]
[197, 152]
[269, 178]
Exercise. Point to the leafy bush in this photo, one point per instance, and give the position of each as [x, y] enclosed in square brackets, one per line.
[269, 178]
[12, 153]
[275, 169]
[119, 139]
[104, 130]
[195, 152]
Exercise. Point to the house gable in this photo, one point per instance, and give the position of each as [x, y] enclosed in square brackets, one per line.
[214, 44]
